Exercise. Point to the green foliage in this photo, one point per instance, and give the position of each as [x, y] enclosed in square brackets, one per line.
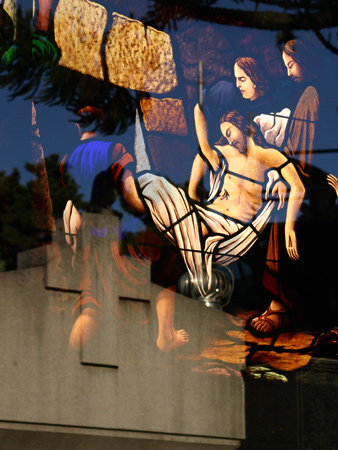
[15, 218]
[42, 47]
[59, 193]
[2, 265]
[9, 55]
[17, 231]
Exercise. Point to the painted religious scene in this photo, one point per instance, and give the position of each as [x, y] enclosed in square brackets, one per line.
[168, 223]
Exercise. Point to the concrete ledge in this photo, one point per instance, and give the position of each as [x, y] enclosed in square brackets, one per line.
[16, 436]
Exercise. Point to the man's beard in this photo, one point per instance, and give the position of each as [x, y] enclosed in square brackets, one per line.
[240, 146]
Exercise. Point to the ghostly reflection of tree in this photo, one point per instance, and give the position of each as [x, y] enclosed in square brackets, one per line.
[17, 229]
[285, 16]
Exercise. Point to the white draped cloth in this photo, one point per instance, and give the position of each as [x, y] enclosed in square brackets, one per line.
[180, 221]
[273, 126]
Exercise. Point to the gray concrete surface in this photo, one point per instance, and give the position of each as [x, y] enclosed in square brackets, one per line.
[120, 381]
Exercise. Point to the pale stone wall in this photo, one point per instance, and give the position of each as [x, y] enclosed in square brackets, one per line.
[120, 381]
[79, 26]
[164, 115]
[137, 59]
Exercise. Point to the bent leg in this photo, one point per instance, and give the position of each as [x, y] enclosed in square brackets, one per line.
[89, 321]
[130, 194]
[123, 178]
[85, 328]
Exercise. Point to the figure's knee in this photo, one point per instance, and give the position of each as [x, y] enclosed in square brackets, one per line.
[130, 193]
[85, 328]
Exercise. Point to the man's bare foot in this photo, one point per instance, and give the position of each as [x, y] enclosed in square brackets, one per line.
[172, 340]
[275, 318]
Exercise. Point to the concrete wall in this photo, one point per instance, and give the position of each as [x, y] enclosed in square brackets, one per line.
[118, 386]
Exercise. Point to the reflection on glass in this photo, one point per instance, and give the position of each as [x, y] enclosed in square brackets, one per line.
[176, 187]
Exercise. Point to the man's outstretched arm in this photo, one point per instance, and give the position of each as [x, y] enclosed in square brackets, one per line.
[272, 158]
[198, 171]
[297, 192]
[202, 136]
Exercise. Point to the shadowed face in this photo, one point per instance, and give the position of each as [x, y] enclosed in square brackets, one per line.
[293, 68]
[234, 136]
[244, 84]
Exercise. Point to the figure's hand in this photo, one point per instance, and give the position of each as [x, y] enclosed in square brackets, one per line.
[280, 190]
[333, 181]
[214, 160]
[72, 221]
[291, 243]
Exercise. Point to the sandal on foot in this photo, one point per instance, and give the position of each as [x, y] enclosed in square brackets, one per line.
[281, 322]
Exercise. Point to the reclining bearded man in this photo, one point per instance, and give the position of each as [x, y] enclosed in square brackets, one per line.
[235, 214]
